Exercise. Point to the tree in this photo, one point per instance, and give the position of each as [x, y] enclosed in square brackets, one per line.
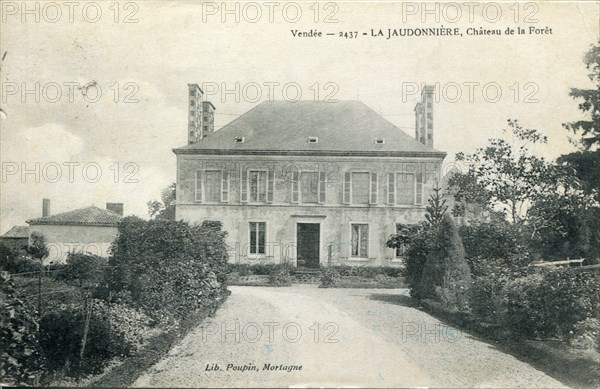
[585, 162]
[38, 249]
[437, 207]
[164, 209]
[505, 176]
[446, 274]
[418, 239]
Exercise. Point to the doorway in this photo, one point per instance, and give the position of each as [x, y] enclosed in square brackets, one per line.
[308, 244]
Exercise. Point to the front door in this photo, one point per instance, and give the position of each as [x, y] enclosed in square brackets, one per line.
[308, 244]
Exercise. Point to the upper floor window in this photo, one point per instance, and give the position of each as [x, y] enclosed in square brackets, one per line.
[257, 186]
[212, 185]
[360, 188]
[212, 189]
[405, 188]
[309, 185]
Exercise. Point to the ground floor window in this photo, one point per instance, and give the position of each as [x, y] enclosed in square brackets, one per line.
[360, 240]
[257, 237]
[400, 250]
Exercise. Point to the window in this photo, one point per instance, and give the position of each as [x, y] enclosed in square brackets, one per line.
[309, 187]
[360, 240]
[419, 189]
[258, 185]
[400, 250]
[405, 192]
[239, 139]
[313, 139]
[212, 188]
[257, 237]
[360, 188]
[391, 187]
[379, 141]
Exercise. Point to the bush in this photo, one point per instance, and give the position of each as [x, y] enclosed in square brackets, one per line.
[168, 267]
[244, 269]
[280, 275]
[61, 334]
[85, 269]
[21, 361]
[446, 275]
[15, 262]
[330, 276]
[569, 296]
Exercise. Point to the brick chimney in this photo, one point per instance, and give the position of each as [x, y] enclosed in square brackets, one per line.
[208, 118]
[424, 116]
[45, 207]
[194, 113]
[115, 207]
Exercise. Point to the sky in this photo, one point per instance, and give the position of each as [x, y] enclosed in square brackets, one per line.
[62, 140]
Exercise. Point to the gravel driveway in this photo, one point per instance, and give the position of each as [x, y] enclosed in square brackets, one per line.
[305, 336]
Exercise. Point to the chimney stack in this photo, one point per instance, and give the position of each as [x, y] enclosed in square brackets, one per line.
[424, 116]
[115, 207]
[194, 113]
[45, 207]
[208, 118]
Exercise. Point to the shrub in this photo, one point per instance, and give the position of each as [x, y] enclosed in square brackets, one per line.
[15, 262]
[21, 360]
[418, 239]
[569, 296]
[330, 276]
[83, 268]
[446, 275]
[61, 334]
[586, 334]
[244, 269]
[169, 267]
[523, 307]
[280, 275]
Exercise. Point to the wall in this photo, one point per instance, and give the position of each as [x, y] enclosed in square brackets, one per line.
[282, 215]
[62, 239]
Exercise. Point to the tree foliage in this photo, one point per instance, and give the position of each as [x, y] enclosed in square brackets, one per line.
[446, 274]
[585, 162]
[507, 176]
[168, 267]
[37, 247]
[164, 209]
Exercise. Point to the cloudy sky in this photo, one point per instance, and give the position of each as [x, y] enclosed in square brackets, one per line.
[116, 147]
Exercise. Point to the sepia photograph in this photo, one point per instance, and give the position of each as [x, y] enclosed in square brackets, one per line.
[307, 194]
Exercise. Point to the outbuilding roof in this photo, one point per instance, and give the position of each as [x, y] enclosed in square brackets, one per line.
[88, 216]
[17, 232]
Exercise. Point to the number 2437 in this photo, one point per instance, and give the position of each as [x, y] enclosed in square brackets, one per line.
[348, 34]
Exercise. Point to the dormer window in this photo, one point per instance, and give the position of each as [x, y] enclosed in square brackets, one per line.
[313, 139]
[379, 141]
[239, 139]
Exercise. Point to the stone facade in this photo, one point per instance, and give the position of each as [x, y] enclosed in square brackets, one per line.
[282, 213]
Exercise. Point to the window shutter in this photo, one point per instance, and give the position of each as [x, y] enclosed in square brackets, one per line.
[374, 189]
[198, 191]
[391, 188]
[419, 189]
[225, 186]
[270, 185]
[295, 191]
[322, 187]
[347, 187]
[244, 186]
